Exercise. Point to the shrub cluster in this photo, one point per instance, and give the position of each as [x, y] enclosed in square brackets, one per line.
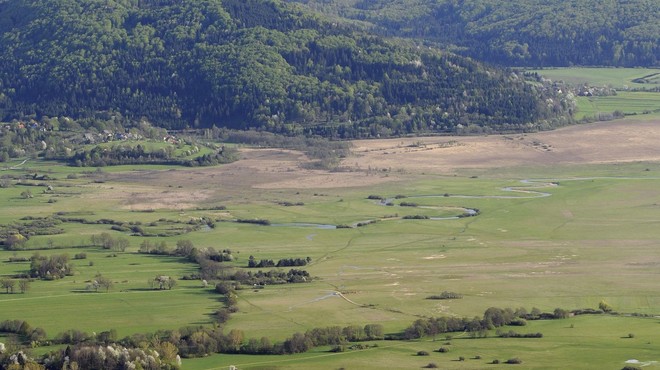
[513, 334]
[285, 262]
[446, 295]
[478, 327]
[24, 330]
[53, 267]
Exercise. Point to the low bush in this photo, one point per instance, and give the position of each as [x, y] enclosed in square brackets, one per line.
[446, 295]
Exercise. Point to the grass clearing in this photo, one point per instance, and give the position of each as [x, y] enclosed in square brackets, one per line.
[524, 249]
[633, 87]
[593, 342]
[579, 227]
[618, 78]
[628, 102]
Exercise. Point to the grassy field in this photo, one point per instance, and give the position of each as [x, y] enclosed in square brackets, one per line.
[129, 307]
[570, 239]
[618, 78]
[581, 342]
[560, 223]
[631, 85]
[628, 102]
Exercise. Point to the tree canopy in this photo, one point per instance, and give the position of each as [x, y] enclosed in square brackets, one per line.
[519, 32]
[241, 64]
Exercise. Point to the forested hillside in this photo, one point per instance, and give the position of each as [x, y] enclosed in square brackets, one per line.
[247, 64]
[520, 32]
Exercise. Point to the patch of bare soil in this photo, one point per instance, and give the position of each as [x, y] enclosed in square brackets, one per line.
[378, 161]
[146, 198]
[604, 142]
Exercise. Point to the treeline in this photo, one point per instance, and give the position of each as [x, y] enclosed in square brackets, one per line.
[100, 350]
[164, 349]
[101, 156]
[247, 64]
[478, 327]
[24, 330]
[520, 32]
[284, 262]
[212, 265]
[271, 277]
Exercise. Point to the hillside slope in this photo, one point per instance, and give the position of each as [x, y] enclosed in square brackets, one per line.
[520, 32]
[246, 64]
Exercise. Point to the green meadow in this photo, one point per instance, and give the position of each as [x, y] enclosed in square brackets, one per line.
[628, 102]
[637, 89]
[565, 237]
[581, 342]
[618, 78]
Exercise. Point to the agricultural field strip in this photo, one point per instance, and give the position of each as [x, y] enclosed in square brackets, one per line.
[538, 183]
[272, 361]
[78, 294]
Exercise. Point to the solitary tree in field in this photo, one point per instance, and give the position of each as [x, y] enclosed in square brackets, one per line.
[121, 244]
[24, 285]
[163, 281]
[104, 282]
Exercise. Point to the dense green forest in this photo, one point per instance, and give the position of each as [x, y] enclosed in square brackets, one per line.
[267, 65]
[519, 32]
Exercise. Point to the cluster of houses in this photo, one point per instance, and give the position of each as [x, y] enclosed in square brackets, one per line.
[107, 136]
[31, 124]
[586, 90]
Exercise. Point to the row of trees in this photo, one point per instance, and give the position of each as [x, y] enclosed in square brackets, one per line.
[107, 241]
[23, 329]
[202, 341]
[253, 263]
[101, 156]
[478, 327]
[10, 285]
